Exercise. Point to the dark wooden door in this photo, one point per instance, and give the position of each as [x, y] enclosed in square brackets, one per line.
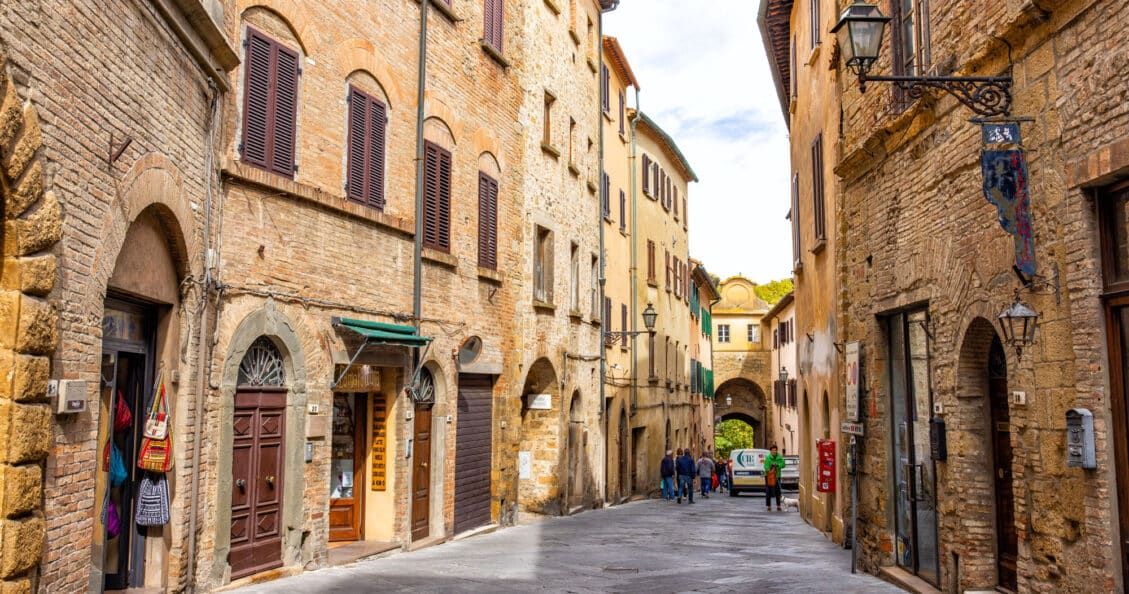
[472, 451]
[1117, 320]
[421, 474]
[624, 463]
[1007, 546]
[256, 481]
[347, 468]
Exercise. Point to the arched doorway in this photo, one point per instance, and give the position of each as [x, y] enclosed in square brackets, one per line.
[576, 447]
[541, 420]
[1006, 537]
[740, 398]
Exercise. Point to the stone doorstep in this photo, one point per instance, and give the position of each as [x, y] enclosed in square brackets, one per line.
[487, 529]
[906, 580]
[345, 553]
[258, 578]
[426, 542]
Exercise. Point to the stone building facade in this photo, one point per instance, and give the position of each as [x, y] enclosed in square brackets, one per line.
[703, 294]
[800, 51]
[925, 271]
[779, 326]
[742, 363]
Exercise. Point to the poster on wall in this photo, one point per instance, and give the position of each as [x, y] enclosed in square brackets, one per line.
[379, 445]
[853, 375]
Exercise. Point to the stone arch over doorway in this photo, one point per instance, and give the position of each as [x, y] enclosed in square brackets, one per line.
[743, 399]
[980, 431]
[275, 326]
[541, 439]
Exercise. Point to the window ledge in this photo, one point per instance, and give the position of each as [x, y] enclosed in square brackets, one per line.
[444, 10]
[575, 37]
[608, 218]
[818, 247]
[573, 169]
[550, 150]
[591, 64]
[544, 306]
[623, 138]
[441, 258]
[653, 380]
[489, 275]
[553, 6]
[814, 55]
[607, 115]
[623, 231]
[652, 283]
[493, 52]
[797, 267]
[575, 316]
[250, 175]
[591, 186]
[595, 321]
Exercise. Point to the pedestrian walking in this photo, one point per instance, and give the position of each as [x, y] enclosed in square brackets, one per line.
[705, 475]
[773, 466]
[686, 469]
[722, 476]
[666, 476]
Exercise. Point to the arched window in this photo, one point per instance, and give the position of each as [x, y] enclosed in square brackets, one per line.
[262, 365]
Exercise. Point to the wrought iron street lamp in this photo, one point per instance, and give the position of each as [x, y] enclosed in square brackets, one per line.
[650, 316]
[1018, 325]
[860, 29]
[728, 400]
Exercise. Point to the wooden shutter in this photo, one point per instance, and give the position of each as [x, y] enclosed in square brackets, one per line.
[285, 118]
[487, 221]
[364, 180]
[650, 261]
[493, 12]
[646, 175]
[256, 99]
[667, 281]
[437, 198]
[817, 188]
[657, 190]
[674, 201]
[605, 195]
[623, 324]
[622, 112]
[685, 212]
[622, 210]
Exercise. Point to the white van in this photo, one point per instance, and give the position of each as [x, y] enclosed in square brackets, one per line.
[746, 470]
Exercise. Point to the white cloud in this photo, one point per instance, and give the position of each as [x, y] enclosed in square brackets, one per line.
[705, 80]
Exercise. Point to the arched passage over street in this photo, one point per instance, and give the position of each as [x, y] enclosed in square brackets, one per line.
[743, 399]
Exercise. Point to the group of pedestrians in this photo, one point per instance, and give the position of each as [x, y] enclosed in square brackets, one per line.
[679, 469]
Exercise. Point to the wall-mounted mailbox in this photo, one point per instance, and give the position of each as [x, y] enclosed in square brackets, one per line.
[1080, 439]
[938, 444]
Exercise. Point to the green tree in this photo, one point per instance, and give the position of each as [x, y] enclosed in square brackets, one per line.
[774, 291]
[732, 434]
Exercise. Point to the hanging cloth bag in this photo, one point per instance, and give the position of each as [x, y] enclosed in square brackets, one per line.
[123, 417]
[118, 473]
[153, 500]
[113, 521]
[156, 453]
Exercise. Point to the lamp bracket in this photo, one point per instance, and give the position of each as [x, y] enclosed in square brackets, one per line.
[839, 346]
[985, 95]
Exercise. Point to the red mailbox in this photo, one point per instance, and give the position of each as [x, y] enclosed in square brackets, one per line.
[825, 472]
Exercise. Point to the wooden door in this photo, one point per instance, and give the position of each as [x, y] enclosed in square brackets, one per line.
[624, 464]
[1117, 320]
[258, 444]
[473, 452]
[347, 468]
[1007, 546]
[421, 474]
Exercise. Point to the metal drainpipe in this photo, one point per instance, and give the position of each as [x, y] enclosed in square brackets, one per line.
[603, 259]
[202, 338]
[417, 263]
[634, 260]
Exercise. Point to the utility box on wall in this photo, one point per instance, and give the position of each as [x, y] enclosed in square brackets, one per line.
[1080, 439]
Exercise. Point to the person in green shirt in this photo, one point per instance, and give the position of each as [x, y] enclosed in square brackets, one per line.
[773, 467]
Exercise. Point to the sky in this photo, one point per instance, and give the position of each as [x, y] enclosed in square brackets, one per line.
[704, 78]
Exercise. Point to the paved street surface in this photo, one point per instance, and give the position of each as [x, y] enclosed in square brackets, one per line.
[720, 544]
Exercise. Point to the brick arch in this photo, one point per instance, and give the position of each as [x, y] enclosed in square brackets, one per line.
[32, 228]
[749, 404]
[486, 142]
[295, 15]
[152, 182]
[436, 108]
[360, 54]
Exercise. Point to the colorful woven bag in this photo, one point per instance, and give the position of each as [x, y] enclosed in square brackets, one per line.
[156, 454]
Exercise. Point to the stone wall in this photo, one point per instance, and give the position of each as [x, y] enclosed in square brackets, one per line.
[28, 335]
[918, 231]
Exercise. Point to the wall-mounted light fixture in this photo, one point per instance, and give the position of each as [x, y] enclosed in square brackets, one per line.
[1017, 323]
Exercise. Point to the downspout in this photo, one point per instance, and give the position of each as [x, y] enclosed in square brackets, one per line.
[634, 259]
[202, 338]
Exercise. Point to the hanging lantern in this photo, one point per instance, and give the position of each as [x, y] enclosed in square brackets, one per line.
[1018, 325]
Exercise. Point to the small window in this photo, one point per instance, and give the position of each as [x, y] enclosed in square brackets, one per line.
[651, 278]
[623, 324]
[574, 278]
[814, 12]
[753, 334]
[487, 221]
[594, 281]
[674, 200]
[622, 112]
[668, 272]
[605, 90]
[817, 189]
[437, 198]
[493, 12]
[622, 210]
[608, 321]
[270, 104]
[723, 332]
[647, 175]
[543, 265]
[364, 179]
[605, 195]
[547, 115]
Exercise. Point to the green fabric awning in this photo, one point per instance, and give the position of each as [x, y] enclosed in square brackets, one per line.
[379, 332]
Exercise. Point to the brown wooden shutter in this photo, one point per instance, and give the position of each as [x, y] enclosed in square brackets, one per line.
[437, 198]
[487, 221]
[256, 99]
[650, 261]
[493, 12]
[623, 322]
[685, 213]
[622, 112]
[817, 188]
[646, 175]
[667, 271]
[622, 210]
[378, 125]
[285, 112]
[674, 193]
[357, 160]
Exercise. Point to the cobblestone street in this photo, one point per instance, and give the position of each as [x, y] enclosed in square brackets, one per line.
[719, 544]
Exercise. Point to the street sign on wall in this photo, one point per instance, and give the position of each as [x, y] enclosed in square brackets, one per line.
[853, 381]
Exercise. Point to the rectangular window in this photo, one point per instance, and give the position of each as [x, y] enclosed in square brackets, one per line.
[723, 332]
[646, 175]
[753, 333]
[571, 141]
[543, 265]
[547, 115]
[623, 324]
[820, 224]
[270, 104]
[605, 89]
[814, 11]
[622, 211]
[674, 200]
[622, 112]
[574, 278]
[652, 275]
[797, 263]
[493, 26]
[608, 321]
[667, 252]
[651, 358]
[605, 196]
[594, 288]
[487, 221]
[910, 41]
[437, 198]
[655, 177]
[364, 178]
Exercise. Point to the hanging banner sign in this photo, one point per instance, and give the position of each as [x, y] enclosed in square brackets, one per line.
[1004, 165]
[853, 375]
[379, 442]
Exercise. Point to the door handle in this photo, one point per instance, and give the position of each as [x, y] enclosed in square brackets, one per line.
[423, 464]
[242, 484]
[270, 480]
